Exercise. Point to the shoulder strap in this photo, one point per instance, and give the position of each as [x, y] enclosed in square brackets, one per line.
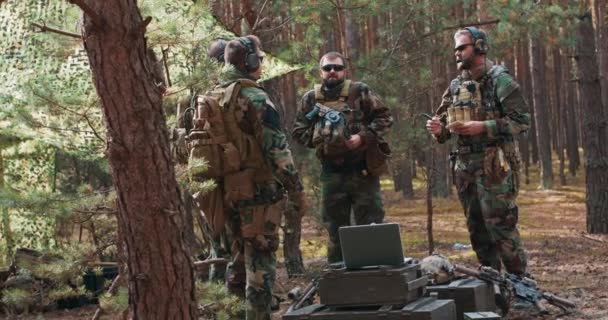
[234, 87]
[455, 86]
[345, 90]
[319, 97]
[318, 94]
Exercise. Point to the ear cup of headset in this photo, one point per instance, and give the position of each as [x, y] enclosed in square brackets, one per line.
[479, 40]
[252, 60]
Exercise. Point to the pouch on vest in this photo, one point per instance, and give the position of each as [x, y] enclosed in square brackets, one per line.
[376, 157]
[466, 102]
[330, 130]
[208, 140]
[239, 186]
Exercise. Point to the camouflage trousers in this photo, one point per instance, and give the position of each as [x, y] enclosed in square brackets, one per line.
[491, 212]
[343, 192]
[254, 243]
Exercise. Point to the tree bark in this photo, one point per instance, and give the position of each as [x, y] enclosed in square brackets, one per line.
[151, 213]
[559, 111]
[570, 121]
[541, 112]
[5, 223]
[595, 129]
[522, 71]
[601, 27]
[402, 178]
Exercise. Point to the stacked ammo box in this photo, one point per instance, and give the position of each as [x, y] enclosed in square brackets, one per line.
[384, 292]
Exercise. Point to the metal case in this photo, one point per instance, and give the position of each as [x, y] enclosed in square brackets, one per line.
[372, 286]
[470, 295]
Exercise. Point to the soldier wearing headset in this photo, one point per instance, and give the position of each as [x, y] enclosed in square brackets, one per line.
[485, 109]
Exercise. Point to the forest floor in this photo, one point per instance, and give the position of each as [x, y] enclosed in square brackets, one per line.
[562, 257]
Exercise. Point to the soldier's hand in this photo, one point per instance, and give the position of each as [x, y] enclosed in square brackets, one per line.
[470, 128]
[434, 126]
[354, 142]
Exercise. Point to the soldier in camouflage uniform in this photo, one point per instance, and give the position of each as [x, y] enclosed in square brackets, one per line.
[346, 124]
[485, 109]
[248, 202]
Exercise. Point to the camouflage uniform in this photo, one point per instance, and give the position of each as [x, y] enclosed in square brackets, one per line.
[255, 241]
[346, 180]
[486, 167]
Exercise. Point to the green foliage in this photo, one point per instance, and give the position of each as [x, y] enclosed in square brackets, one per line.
[217, 302]
[69, 269]
[16, 299]
[66, 292]
[116, 303]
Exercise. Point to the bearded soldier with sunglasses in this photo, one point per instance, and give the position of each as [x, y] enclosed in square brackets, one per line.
[346, 124]
[485, 109]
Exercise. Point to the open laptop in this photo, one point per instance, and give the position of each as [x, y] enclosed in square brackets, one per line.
[371, 245]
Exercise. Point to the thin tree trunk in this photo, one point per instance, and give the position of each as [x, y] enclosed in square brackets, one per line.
[541, 112]
[595, 129]
[7, 234]
[601, 26]
[559, 110]
[522, 71]
[150, 209]
[570, 122]
[402, 178]
[429, 199]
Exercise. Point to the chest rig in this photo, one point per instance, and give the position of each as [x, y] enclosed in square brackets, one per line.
[333, 121]
[475, 101]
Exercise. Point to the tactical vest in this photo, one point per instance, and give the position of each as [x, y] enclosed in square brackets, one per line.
[336, 120]
[232, 155]
[331, 123]
[472, 100]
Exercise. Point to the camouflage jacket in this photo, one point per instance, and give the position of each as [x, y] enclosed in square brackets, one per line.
[505, 111]
[262, 120]
[371, 118]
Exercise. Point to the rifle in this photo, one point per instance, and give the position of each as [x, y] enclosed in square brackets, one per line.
[523, 288]
[303, 298]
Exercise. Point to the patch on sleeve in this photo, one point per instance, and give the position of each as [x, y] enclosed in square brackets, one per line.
[505, 85]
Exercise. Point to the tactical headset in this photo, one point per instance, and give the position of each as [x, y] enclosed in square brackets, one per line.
[479, 40]
[252, 60]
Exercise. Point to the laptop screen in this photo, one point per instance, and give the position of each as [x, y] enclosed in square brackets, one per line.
[371, 245]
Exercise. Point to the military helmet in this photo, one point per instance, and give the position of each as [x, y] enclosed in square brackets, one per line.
[438, 268]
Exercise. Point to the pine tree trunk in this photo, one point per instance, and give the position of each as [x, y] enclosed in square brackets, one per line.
[5, 223]
[570, 122]
[522, 75]
[402, 179]
[559, 111]
[599, 8]
[595, 129]
[151, 213]
[541, 112]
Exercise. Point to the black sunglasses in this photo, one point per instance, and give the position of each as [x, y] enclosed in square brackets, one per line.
[462, 47]
[329, 67]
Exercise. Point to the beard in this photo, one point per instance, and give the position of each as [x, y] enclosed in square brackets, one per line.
[465, 63]
[331, 83]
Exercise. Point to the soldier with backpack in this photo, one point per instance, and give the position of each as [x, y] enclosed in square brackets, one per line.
[345, 122]
[485, 109]
[237, 131]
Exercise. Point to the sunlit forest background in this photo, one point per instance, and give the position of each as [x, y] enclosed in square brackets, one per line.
[58, 209]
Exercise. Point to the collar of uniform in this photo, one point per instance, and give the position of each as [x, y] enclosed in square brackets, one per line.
[332, 93]
[230, 73]
[479, 72]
